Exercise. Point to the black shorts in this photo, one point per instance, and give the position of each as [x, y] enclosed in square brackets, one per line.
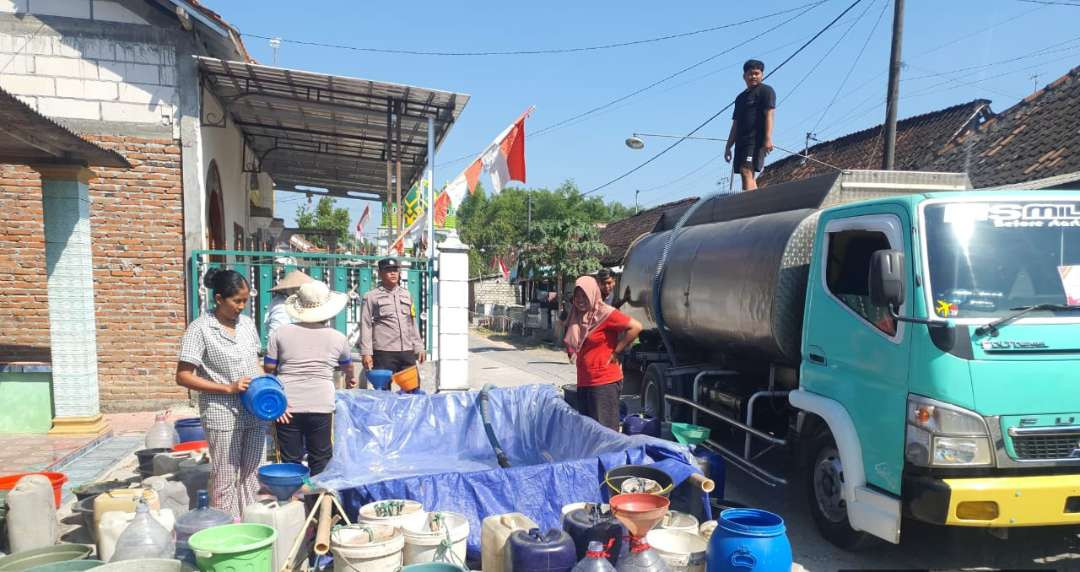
[749, 155]
[393, 361]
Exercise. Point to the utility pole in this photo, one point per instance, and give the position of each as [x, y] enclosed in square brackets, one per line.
[528, 231]
[637, 209]
[275, 43]
[889, 156]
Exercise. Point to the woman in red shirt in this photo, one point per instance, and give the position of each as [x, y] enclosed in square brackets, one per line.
[596, 335]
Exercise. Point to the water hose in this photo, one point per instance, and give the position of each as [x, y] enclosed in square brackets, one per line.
[485, 415]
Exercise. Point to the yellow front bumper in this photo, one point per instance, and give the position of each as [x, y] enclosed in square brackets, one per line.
[1021, 501]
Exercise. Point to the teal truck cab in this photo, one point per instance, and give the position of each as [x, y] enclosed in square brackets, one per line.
[912, 345]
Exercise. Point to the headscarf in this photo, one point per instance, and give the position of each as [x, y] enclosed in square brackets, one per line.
[580, 324]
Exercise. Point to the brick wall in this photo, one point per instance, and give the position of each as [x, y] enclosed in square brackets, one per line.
[495, 291]
[137, 228]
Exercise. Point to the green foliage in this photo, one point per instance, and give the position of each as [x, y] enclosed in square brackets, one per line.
[563, 248]
[324, 217]
[498, 225]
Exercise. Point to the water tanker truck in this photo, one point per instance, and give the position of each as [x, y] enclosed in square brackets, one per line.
[893, 342]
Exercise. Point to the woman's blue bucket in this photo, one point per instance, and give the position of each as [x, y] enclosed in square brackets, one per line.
[190, 429]
[380, 378]
[265, 398]
[748, 539]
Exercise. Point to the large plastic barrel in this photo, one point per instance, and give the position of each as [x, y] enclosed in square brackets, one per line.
[190, 429]
[265, 398]
[747, 538]
[532, 551]
[590, 524]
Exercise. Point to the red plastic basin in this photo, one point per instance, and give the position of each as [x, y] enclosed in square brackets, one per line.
[7, 482]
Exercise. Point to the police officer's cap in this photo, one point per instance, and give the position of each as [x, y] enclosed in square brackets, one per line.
[389, 263]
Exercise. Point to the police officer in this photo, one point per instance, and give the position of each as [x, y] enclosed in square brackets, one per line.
[389, 338]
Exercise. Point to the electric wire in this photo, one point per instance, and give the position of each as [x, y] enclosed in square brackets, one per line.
[824, 56]
[854, 64]
[547, 51]
[725, 108]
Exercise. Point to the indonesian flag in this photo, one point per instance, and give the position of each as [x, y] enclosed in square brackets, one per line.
[503, 161]
[363, 221]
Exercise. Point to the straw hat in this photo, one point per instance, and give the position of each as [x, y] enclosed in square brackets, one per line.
[292, 280]
[315, 303]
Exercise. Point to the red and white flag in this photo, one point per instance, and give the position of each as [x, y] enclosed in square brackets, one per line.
[500, 265]
[362, 222]
[503, 160]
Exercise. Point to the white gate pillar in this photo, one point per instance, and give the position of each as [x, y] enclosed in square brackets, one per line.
[453, 320]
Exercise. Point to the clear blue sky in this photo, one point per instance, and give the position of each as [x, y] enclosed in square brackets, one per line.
[954, 51]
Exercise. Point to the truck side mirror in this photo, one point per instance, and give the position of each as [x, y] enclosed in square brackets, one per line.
[887, 279]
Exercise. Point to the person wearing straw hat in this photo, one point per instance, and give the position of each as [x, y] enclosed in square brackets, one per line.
[389, 338]
[303, 355]
[276, 315]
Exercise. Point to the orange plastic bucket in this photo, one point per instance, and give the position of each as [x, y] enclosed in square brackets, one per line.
[57, 480]
[407, 379]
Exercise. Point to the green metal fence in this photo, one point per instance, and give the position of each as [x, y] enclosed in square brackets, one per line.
[342, 272]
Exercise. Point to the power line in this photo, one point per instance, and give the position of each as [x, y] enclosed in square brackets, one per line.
[854, 64]
[562, 123]
[534, 52]
[684, 176]
[827, 52]
[1051, 3]
[725, 108]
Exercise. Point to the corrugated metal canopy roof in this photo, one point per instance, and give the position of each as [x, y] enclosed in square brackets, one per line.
[27, 137]
[328, 131]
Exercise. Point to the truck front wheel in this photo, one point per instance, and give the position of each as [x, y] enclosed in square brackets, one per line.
[650, 390]
[824, 484]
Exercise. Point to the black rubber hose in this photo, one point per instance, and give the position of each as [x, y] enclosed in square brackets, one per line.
[485, 416]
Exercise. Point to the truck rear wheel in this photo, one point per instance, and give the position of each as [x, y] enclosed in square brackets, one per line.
[824, 481]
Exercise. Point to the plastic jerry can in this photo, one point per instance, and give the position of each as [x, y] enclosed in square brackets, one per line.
[31, 514]
[496, 531]
[172, 494]
[532, 551]
[122, 500]
[287, 518]
[113, 524]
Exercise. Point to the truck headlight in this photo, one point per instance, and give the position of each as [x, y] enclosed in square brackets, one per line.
[943, 435]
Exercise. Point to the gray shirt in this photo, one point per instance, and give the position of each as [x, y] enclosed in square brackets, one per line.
[386, 322]
[305, 356]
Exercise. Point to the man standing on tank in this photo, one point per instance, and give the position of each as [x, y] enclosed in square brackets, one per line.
[751, 125]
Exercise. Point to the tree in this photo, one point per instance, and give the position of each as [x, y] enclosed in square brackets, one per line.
[561, 249]
[324, 217]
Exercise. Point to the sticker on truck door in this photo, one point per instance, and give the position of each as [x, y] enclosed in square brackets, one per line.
[1070, 281]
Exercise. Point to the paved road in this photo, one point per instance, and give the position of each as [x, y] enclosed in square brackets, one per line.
[922, 546]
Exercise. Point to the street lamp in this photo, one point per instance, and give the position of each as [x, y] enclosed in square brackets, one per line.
[636, 141]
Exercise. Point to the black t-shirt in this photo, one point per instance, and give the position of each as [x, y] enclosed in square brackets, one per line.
[750, 108]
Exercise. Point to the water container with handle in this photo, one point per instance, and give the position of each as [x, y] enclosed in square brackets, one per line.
[595, 560]
[287, 518]
[265, 398]
[748, 539]
[202, 517]
[144, 538]
[31, 514]
[532, 551]
[594, 522]
[161, 434]
[496, 531]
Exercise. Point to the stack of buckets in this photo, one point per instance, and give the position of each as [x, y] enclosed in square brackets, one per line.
[393, 533]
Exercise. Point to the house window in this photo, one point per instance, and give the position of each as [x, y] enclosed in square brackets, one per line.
[847, 274]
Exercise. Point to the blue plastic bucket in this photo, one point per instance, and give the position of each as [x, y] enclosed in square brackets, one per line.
[190, 429]
[380, 378]
[265, 398]
[748, 539]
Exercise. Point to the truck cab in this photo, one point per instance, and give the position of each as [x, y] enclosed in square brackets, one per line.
[940, 345]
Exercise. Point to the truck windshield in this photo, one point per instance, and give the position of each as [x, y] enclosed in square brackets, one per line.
[988, 257]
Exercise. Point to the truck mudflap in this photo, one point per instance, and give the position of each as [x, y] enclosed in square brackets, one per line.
[1003, 502]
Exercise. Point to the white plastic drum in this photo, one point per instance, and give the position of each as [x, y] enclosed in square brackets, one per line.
[681, 551]
[425, 543]
[367, 548]
[412, 514]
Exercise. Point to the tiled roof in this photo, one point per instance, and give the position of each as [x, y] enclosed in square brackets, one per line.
[619, 234]
[918, 140]
[1037, 138]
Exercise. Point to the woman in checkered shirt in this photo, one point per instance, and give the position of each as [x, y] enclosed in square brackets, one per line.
[218, 357]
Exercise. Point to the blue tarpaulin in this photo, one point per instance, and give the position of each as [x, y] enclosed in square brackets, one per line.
[433, 449]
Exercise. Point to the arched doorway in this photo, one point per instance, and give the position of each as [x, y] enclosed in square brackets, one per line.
[215, 210]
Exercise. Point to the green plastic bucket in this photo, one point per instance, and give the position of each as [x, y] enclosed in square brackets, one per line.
[69, 566]
[234, 548]
[46, 555]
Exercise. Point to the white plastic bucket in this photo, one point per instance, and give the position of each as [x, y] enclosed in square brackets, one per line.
[569, 508]
[682, 551]
[675, 520]
[412, 515]
[422, 544]
[367, 548]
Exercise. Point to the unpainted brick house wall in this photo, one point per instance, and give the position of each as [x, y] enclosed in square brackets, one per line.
[136, 219]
